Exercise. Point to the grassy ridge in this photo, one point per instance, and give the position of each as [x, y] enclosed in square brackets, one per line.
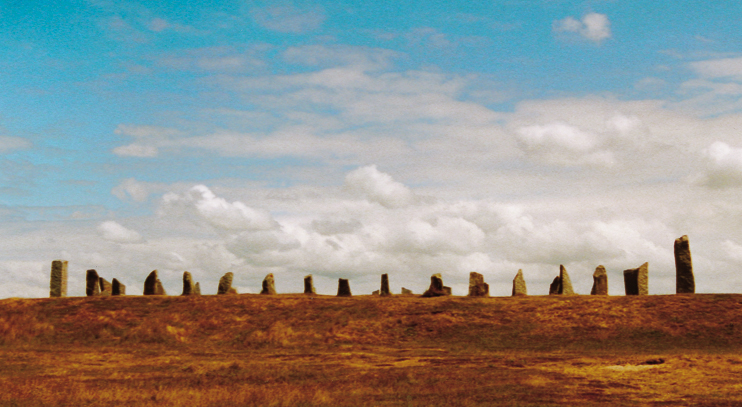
[297, 321]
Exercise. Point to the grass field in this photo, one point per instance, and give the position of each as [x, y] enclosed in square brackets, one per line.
[294, 350]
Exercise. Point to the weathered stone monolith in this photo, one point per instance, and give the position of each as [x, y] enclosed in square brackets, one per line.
[600, 282]
[309, 285]
[269, 285]
[554, 286]
[92, 286]
[106, 288]
[406, 291]
[684, 281]
[188, 285]
[519, 284]
[565, 284]
[343, 288]
[384, 291]
[375, 292]
[197, 289]
[437, 289]
[58, 283]
[152, 285]
[225, 284]
[477, 286]
[117, 288]
[636, 280]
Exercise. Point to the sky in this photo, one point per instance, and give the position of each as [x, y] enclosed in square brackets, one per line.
[346, 139]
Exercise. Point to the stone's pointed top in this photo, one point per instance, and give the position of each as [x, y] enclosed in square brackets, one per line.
[269, 285]
[92, 285]
[684, 281]
[600, 282]
[519, 284]
[565, 284]
[477, 286]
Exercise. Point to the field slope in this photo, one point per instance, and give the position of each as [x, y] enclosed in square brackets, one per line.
[299, 350]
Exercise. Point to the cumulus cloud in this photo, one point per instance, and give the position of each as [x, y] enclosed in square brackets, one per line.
[114, 232]
[562, 144]
[593, 26]
[724, 166]
[378, 187]
[218, 211]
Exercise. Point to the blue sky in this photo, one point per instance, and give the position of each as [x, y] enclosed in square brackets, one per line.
[353, 138]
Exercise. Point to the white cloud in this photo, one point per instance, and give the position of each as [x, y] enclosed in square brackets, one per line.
[136, 150]
[378, 187]
[593, 26]
[135, 190]
[114, 232]
[724, 166]
[287, 18]
[719, 68]
[8, 144]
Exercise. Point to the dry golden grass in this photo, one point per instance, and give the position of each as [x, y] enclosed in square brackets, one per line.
[293, 350]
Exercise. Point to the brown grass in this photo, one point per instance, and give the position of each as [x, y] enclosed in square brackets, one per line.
[293, 350]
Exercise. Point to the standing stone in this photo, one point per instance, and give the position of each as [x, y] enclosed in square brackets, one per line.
[117, 288]
[477, 286]
[600, 282]
[519, 284]
[225, 284]
[197, 289]
[188, 286]
[58, 283]
[684, 281]
[309, 285]
[384, 291]
[152, 285]
[375, 292]
[565, 284]
[92, 286]
[636, 280]
[554, 286]
[343, 288]
[437, 289]
[406, 291]
[105, 287]
[269, 285]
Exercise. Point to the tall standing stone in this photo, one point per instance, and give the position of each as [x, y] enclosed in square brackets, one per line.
[636, 280]
[225, 284]
[343, 288]
[197, 289]
[117, 288]
[152, 285]
[519, 284]
[384, 291]
[92, 285]
[188, 285]
[269, 285]
[58, 283]
[309, 285]
[684, 281]
[477, 286]
[106, 288]
[437, 289]
[554, 286]
[600, 282]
